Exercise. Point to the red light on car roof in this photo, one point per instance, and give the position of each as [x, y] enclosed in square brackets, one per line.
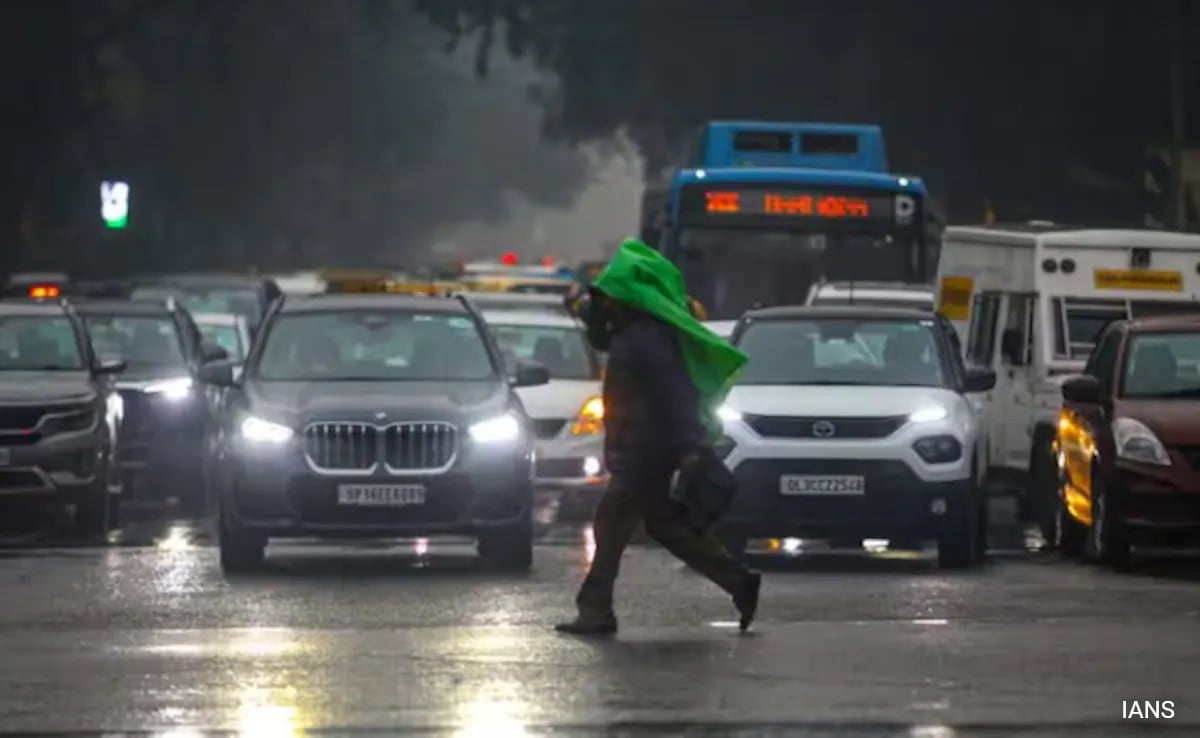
[509, 258]
[43, 291]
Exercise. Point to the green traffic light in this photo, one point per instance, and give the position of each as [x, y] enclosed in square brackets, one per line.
[117, 223]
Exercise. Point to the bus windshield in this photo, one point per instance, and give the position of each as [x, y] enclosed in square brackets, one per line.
[731, 270]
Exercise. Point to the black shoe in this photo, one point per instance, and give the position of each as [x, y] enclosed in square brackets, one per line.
[587, 625]
[746, 600]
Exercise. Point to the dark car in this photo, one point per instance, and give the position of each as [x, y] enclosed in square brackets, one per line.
[166, 413]
[60, 415]
[1128, 441]
[374, 416]
[239, 294]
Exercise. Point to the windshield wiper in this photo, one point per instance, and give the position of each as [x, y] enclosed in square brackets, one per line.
[49, 368]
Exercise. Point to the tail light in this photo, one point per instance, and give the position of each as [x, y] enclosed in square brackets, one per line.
[44, 291]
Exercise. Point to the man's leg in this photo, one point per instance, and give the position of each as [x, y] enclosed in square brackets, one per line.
[617, 515]
[704, 553]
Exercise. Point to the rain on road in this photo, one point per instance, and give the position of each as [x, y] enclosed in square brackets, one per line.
[146, 635]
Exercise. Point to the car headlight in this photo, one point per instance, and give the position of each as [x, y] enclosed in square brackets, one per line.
[590, 419]
[496, 430]
[938, 449]
[257, 430]
[179, 388]
[1136, 442]
[728, 414]
[929, 414]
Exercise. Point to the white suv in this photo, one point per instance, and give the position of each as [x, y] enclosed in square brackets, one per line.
[853, 422]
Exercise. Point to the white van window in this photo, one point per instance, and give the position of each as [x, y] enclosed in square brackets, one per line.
[981, 336]
[1079, 322]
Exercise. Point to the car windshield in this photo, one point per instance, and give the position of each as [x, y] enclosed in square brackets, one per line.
[563, 351]
[141, 341]
[839, 351]
[1162, 366]
[38, 343]
[1079, 322]
[226, 336]
[243, 302]
[374, 345]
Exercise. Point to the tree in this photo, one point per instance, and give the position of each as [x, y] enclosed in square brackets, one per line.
[1028, 102]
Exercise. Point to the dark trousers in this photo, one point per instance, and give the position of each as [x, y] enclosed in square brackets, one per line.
[643, 497]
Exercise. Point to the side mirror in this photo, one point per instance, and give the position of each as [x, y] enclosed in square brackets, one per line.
[219, 373]
[110, 366]
[1083, 390]
[979, 379]
[531, 375]
[210, 351]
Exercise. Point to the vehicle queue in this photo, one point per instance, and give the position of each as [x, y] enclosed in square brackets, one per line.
[399, 406]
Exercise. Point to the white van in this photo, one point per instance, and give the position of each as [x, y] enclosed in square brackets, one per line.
[1029, 302]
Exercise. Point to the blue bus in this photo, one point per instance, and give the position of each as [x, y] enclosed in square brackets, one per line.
[760, 211]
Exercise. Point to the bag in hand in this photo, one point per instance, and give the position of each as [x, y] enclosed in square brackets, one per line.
[703, 490]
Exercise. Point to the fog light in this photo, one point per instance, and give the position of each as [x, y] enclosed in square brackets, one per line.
[938, 507]
[591, 466]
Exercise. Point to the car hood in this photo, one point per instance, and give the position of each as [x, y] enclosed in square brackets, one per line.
[304, 402]
[1175, 422]
[136, 377]
[837, 401]
[561, 398]
[28, 387]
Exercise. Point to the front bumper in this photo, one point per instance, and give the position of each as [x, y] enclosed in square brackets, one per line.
[1160, 506]
[280, 496]
[896, 502]
[570, 472]
[63, 465]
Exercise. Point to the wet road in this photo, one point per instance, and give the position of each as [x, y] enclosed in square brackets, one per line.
[146, 635]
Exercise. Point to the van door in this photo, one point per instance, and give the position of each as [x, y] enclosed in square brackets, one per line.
[1015, 381]
[981, 351]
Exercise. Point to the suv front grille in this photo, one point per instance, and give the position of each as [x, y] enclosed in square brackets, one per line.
[341, 446]
[419, 446]
[20, 418]
[780, 426]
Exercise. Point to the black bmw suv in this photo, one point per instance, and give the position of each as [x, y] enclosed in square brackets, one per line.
[374, 416]
[60, 414]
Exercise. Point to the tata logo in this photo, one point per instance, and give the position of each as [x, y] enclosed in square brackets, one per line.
[823, 429]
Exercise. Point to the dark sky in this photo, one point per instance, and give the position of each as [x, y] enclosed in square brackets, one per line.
[290, 132]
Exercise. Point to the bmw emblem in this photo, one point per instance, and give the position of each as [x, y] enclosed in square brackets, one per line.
[823, 429]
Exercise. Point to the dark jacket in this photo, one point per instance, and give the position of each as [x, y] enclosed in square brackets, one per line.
[651, 408]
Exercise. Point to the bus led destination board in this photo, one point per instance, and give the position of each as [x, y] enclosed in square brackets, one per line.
[763, 203]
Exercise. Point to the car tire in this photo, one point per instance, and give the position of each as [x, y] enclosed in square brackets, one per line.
[957, 546]
[1105, 540]
[1068, 534]
[240, 550]
[1040, 501]
[509, 547]
[92, 511]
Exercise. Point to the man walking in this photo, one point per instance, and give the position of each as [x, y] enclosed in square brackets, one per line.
[665, 373]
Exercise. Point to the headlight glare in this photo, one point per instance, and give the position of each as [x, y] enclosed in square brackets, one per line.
[499, 429]
[179, 388]
[928, 414]
[590, 419]
[728, 414]
[1136, 442]
[257, 430]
